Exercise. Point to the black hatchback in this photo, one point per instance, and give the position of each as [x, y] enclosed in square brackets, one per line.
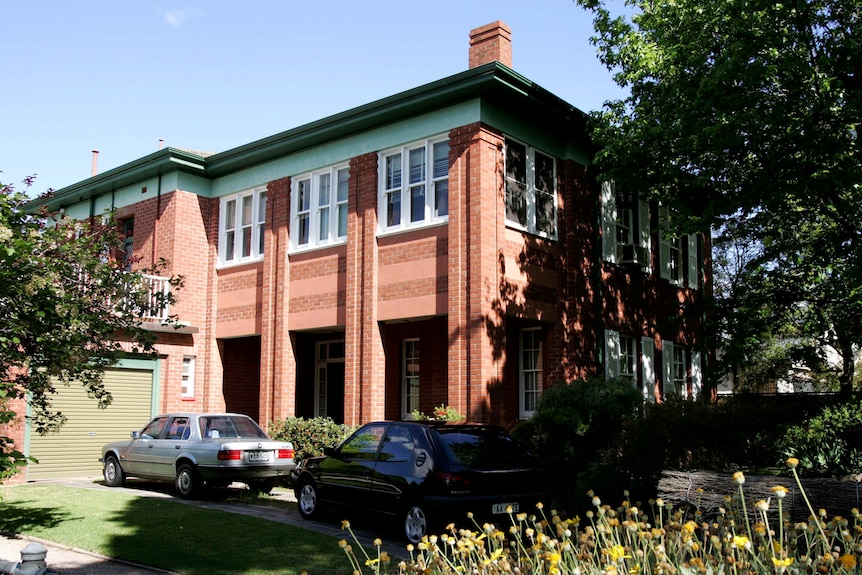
[423, 473]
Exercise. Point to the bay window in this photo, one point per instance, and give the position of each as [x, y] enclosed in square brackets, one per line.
[531, 189]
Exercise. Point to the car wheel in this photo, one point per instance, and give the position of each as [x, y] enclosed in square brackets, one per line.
[187, 483]
[308, 500]
[262, 486]
[415, 523]
[114, 476]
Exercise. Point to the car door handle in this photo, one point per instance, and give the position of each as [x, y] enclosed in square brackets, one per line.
[176, 446]
[150, 445]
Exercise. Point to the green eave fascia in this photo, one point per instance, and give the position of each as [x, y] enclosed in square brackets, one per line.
[495, 82]
[150, 166]
[492, 82]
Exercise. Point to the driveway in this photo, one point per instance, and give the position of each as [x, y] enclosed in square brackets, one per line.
[77, 562]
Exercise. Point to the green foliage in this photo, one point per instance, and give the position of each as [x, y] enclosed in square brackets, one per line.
[309, 436]
[573, 425]
[68, 311]
[743, 117]
[830, 442]
[441, 413]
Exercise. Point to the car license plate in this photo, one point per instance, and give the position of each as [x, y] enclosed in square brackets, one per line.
[258, 456]
[498, 508]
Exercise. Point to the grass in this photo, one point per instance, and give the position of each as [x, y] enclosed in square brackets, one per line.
[167, 534]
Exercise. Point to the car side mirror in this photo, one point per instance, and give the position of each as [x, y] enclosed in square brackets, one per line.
[329, 451]
[135, 434]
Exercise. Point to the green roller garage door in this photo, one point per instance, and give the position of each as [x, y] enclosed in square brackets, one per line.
[75, 450]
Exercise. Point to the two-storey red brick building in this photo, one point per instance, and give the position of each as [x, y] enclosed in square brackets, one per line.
[446, 245]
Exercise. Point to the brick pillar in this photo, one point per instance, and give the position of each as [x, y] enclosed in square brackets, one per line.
[277, 358]
[489, 43]
[476, 231]
[364, 369]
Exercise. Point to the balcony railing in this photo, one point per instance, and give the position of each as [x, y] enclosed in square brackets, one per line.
[148, 300]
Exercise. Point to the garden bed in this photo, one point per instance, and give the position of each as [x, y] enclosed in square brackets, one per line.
[706, 490]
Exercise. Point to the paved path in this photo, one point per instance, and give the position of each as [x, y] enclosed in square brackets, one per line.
[70, 561]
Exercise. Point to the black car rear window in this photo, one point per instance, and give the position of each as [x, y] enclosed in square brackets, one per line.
[483, 448]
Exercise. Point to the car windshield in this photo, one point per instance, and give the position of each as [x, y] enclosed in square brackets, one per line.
[231, 426]
[483, 448]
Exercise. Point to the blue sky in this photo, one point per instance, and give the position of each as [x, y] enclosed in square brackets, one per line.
[119, 75]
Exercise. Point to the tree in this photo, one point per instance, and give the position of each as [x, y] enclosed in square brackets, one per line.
[743, 118]
[68, 311]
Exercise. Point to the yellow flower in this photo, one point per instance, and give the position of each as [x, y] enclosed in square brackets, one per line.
[782, 563]
[762, 505]
[345, 524]
[618, 552]
[690, 526]
[342, 543]
[792, 462]
[741, 542]
[738, 478]
[848, 561]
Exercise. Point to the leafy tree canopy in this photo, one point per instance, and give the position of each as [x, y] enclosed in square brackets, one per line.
[743, 117]
[68, 310]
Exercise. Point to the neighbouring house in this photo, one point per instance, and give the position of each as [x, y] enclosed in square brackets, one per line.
[445, 245]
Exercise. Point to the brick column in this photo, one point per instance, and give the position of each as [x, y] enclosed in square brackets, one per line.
[277, 358]
[476, 231]
[364, 369]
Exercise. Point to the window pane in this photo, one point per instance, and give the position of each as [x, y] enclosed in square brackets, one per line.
[246, 242]
[393, 171]
[323, 190]
[441, 198]
[516, 202]
[247, 203]
[441, 159]
[343, 179]
[303, 229]
[417, 203]
[261, 207]
[304, 195]
[342, 221]
[230, 215]
[393, 209]
[516, 162]
[323, 224]
[417, 165]
[230, 245]
[545, 212]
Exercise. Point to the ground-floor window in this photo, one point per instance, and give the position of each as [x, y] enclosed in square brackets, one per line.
[187, 389]
[529, 370]
[410, 375]
[329, 379]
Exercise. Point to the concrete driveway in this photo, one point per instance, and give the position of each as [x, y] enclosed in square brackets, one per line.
[70, 561]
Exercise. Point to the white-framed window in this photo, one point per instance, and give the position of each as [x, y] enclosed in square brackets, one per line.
[410, 376]
[531, 189]
[529, 370]
[678, 255]
[242, 219]
[625, 227]
[676, 364]
[187, 388]
[414, 185]
[319, 208]
[620, 356]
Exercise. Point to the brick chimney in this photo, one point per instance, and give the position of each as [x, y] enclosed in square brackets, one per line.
[489, 43]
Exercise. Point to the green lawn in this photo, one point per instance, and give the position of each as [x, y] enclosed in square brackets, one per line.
[167, 534]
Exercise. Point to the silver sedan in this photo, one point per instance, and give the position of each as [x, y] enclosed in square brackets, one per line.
[195, 450]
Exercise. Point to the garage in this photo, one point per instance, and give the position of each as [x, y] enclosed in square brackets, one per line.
[75, 450]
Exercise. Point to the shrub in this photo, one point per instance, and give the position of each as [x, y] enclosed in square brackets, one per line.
[440, 413]
[574, 424]
[744, 538]
[309, 436]
[830, 441]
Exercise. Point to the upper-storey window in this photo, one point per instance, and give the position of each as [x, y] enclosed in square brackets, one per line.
[625, 227]
[531, 189]
[241, 226]
[319, 208]
[679, 255]
[414, 185]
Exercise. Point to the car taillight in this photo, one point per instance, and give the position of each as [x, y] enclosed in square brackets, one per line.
[230, 455]
[284, 454]
[455, 482]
